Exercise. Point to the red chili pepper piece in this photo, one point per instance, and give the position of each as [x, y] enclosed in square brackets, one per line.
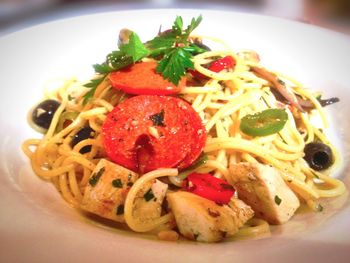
[222, 63]
[216, 66]
[209, 187]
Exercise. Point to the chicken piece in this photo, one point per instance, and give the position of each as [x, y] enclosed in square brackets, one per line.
[262, 187]
[148, 203]
[201, 219]
[107, 189]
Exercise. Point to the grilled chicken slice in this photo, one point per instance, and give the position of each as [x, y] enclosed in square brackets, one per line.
[148, 203]
[107, 189]
[201, 219]
[262, 187]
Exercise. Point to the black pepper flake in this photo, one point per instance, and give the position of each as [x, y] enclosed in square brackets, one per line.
[148, 195]
[120, 210]
[130, 184]
[158, 119]
[278, 200]
[117, 183]
[96, 176]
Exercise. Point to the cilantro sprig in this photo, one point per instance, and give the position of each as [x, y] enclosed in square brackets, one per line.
[171, 48]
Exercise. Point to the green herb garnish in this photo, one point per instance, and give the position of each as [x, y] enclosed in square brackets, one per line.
[158, 119]
[172, 49]
[117, 183]
[96, 176]
[148, 195]
[278, 200]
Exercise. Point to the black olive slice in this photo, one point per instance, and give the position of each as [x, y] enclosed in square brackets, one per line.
[43, 113]
[318, 155]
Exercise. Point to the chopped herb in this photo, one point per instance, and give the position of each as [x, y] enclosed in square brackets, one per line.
[148, 195]
[120, 210]
[158, 118]
[278, 200]
[117, 183]
[70, 98]
[96, 176]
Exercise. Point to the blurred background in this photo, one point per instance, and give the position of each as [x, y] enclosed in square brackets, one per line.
[331, 14]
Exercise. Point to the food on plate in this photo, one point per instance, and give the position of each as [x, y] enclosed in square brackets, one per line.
[177, 139]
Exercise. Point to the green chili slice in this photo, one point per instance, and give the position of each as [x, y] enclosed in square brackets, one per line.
[264, 123]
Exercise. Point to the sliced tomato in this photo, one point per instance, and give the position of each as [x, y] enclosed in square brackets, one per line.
[148, 132]
[209, 187]
[142, 79]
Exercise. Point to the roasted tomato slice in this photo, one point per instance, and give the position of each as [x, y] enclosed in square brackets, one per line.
[142, 79]
[148, 132]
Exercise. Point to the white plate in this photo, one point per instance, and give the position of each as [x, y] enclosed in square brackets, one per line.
[36, 225]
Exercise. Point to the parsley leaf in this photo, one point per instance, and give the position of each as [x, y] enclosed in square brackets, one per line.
[163, 41]
[103, 68]
[92, 85]
[174, 64]
[134, 48]
[177, 26]
[194, 24]
[118, 60]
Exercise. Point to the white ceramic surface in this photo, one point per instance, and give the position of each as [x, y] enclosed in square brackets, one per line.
[36, 225]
